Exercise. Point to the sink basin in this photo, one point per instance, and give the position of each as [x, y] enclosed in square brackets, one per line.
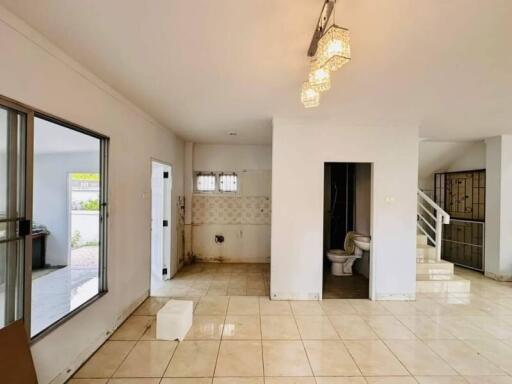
[362, 242]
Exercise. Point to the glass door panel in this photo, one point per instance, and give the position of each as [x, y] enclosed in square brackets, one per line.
[13, 226]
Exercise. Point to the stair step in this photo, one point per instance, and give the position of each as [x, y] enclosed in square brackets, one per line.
[441, 284]
[434, 267]
[424, 251]
[421, 239]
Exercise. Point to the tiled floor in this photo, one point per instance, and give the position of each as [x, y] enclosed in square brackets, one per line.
[212, 279]
[437, 339]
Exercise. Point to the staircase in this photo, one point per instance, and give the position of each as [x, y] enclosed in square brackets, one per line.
[434, 275]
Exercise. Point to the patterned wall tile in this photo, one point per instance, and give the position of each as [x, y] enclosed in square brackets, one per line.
[230, 210]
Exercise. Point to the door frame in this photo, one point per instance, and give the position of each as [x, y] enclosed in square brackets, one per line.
[27, 155]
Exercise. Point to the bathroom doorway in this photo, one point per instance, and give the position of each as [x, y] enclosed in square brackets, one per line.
[347, 199]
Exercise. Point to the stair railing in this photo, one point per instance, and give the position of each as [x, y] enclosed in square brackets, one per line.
[431, 218]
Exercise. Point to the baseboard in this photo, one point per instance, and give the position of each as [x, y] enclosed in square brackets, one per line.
[294, 296]
[395, 296]
[65, 375]
[497, 277]
[224, 260]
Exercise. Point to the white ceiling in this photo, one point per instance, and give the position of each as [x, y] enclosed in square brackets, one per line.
[206, 67]
[52, 138]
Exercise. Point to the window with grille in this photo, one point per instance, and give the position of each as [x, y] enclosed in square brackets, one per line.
[228, 182]
[205, 182]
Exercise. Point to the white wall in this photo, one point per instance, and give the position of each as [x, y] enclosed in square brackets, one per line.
[498, 208]
[300, 149]
[51, 203]
[448, 156]
[36, 73]
[246, 240]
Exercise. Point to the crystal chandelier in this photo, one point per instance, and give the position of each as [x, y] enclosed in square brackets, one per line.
[319, 77]
[334, 48]
[330, 49]
[309, 96]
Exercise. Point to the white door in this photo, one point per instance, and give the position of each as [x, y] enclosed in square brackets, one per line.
[160, 221]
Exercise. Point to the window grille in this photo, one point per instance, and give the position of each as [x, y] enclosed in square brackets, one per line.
[228, 182]
[205, 182]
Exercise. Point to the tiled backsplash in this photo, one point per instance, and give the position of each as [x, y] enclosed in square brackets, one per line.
[230, 210]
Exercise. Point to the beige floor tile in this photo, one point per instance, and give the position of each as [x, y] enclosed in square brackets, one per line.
[279, 327]
[193, 359]
[106, 360]
[133, 328]
[425, 328]
[238, 380]
[418, 358]
[441, 380]
[495, 351]
[489, 379]
[87, 381]
[243, 305]
[401, 307]
[352, 327]
[138, 380]
[212, 305]
[242, 327]
[464, 359]
[150, 333]
[206, 328]
[187, 380]
[368, 307]
[316, 328]
[147, 359]
[290, 380]
[151, 306]
[389, 328]
[239, 359]
[340, 380]
[391, 380]
[285, 358]
[374, 358]
[337, 307]
[274, 307]
[330, 358]
[461, 327]
[494, 325]
[306, 308]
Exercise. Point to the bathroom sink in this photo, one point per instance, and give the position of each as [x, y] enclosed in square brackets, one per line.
[362, 242]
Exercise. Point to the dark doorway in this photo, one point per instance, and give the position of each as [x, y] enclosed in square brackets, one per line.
[346, 198]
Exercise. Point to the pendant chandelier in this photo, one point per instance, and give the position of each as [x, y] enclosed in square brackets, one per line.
[330, 50]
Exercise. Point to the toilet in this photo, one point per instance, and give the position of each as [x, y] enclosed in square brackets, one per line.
[343, 259]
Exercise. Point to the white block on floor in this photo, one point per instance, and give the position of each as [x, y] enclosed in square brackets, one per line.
[174, 320]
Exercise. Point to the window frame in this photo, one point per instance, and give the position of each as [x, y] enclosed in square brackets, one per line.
[197, 174]
[217, 175]
[220, 174]
[104, 142]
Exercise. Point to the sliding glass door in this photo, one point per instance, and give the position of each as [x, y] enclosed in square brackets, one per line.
[53, 218]
[14, 212]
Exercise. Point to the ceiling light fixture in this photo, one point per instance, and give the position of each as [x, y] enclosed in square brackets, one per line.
[309, 96]
[319, 77]
[330, 50]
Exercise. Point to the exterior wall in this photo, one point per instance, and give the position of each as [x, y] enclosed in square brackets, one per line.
[243, 218]
[51, 187]
[300, 149]
[36, 73]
